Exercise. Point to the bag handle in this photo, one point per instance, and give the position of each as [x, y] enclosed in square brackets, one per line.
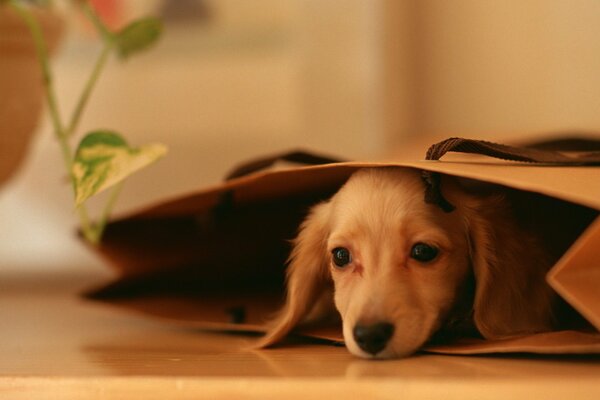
[296, 156]
[545, 152]
[585, 152]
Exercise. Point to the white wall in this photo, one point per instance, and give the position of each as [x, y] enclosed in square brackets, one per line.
[497, 68]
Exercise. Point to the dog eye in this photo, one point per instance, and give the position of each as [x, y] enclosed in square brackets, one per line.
[341, 256]
[423, 252]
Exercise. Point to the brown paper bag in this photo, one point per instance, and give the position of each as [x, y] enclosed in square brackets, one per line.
[215, 259]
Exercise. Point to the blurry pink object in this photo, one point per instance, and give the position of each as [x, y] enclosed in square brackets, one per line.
[110, 11]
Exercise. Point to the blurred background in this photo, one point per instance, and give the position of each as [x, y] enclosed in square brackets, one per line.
[362, 79]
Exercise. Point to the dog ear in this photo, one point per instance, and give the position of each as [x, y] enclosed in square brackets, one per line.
[510, 265]
[307, 277]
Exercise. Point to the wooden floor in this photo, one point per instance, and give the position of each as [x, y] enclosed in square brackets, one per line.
[54, 345]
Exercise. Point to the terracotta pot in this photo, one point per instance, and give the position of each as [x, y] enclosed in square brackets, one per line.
[21, 91]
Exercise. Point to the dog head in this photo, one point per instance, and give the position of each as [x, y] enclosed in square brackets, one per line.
[399, 267]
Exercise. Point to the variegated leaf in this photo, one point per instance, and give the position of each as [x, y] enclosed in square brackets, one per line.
[104, 159]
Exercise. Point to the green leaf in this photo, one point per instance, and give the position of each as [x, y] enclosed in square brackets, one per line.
[138, 36]
[104, 159]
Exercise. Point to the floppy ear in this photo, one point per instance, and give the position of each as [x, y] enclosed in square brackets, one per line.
[510, 266]
[307, 275]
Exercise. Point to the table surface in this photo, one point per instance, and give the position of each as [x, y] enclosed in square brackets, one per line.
[54, 344]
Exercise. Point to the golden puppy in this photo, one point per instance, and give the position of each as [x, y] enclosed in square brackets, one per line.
[402, 270]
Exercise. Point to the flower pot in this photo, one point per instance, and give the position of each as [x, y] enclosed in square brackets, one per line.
[21, 89]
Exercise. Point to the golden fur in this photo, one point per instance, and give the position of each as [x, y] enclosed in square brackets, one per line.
[379, 214]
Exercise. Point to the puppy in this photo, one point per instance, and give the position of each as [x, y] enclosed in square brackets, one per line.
[402, 271]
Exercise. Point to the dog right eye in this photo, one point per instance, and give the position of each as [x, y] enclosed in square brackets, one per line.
[341, 256]
[423, 252]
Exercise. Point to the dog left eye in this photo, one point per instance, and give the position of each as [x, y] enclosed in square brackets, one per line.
[341, 256]
[423, 252]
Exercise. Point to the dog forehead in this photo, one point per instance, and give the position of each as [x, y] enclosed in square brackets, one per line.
[381, 190]
[379, 203]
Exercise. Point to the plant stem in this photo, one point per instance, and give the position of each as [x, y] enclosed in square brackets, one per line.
[42, 56]
[99, 227]
[107, 38]
[87, 228]
[87, 91]
[106, 34]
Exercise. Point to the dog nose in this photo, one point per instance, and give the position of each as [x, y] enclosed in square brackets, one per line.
[373, 338]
